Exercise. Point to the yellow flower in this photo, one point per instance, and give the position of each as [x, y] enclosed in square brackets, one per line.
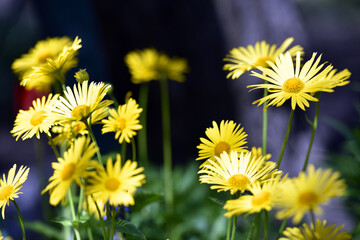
[263, 196]
[243, 59]
[320, 232]
[124, 122]
[44, 76]
[71, 168]
[35, 120]
[9, 188]
[90, 205]
[116, 184]
[257, 152]
[337, 79]
[308, 192]
[149, 64]
[285, 82]
[79, 104]
[233, 173]
[230, 137]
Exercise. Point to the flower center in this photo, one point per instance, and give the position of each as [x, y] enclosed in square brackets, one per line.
[262, 62]
[121, 123]
[5, 192]
[78, 126]
[308, 198]
[42, 58]
[221, 147]
[80, 112]
[37, 118]
[260, 198]
[239, 182]
[68, 171]
[112, 184]
[293, 85]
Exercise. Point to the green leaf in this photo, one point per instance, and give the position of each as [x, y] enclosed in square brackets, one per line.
[127, 228]
[143, 198]
[217, 201]
[73, 223]
[45, 229]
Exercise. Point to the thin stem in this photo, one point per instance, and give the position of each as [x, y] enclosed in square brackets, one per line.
[112, 229]
[20, 219]
[234, 228]
[142, 134]
[123, 151]
[133, 145]
[281, 229]
[100, 219]
[285, 139]
[266, 224]
[312, 217]
[228, 233]
[51, 142]
[314, 127]
[73, 214]
[265, 124]
[94, 140]
[113, 98]
[165, 105]
[253, 226]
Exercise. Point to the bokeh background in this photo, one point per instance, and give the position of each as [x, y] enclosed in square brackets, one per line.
[203, 32]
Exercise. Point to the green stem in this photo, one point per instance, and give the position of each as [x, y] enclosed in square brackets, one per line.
[285, 139]
[281, 229]
[142, 134]
[133, 149]
[228, 233]
[265, 124]
[51, 142]
[94, 140]
[314, 127]
[266, 224]
[100, 219]
[112, 229]
[253, 226]
[81, 197]
[73, 214]
[165, 105]
[234, 228]
[123, 151]
[113, 98]
[20, 219]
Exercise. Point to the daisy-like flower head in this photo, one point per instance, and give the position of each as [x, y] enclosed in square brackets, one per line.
[257, 152]
[79, 103]
[308, 192]
[243, 59]
[124, 122]
[263, 196]
[10, 187]
[286, 81]
[44, 76]
[116, 184]
[149, 64]
[232, 173]
[338, 79]
[35, 120]
[229, 137]
[71, 168]
[319, 232]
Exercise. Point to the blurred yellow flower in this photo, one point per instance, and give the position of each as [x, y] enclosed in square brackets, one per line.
[308, 192]
[244, 59]
[319, 232]
[116, 184]
[285, 82]
[232, 173]
[35, 120]
[9, 188]
[71, 168]
[149, 64]
[124, 122]
[338, 79]
[257, 152]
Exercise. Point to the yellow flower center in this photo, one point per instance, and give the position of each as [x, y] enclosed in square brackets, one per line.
[221, 147]
[37, 118]
[80, 112]
[68, 171]
[42, 58]
[78, 126]
[293, 85]
[112, 184]
[262, 62]
[6, 192]
[308, 198]
[260, 198]
[121, 123]
[239, 182]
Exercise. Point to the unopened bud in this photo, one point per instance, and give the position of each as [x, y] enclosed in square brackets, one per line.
[81, 76]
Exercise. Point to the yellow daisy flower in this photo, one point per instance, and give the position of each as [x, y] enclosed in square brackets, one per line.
[35, 120]
[285, 82]
[308, 192]
[244, 59]
[79, 104]
[230, 137]
[9, 188]
[232, 173]
[71, 168]
[263, 196]
[337, 79]
[320, 232]
[257, 152]
[116, 184]
[149, 64]
[124, 122]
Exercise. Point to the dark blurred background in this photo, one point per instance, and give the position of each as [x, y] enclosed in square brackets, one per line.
[201, 31]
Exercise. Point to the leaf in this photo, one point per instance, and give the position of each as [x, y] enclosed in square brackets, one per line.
[217, 201]
[73, 223]
[45, 229]
[143, 198]
[127, 228]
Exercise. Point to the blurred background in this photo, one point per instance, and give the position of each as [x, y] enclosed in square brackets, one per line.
[203, 32]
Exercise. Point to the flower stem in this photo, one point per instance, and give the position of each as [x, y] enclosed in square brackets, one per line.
[234, 228]
[281, 229]
[285, 139]
[51, 142]
[94, 140]
[133, 145]
[266, 224]
[20, 219]
[253, 226]
[314, 127]
[123, 151]
[100, 219]
[73, 214]
[142, 134]
[165, 105]
[228, 229]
